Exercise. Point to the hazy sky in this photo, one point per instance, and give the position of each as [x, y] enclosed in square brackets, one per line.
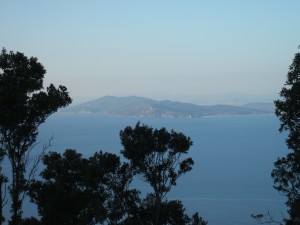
[160, 49]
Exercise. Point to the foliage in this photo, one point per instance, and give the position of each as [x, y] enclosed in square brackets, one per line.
[96, 190]
[155, 154]
[172, 213]
[24, 106]
[31, 221]
[287, 108]
[66, 190]
[286, 173]
[80, 191]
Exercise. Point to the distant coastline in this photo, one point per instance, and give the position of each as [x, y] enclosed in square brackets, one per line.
[134, 106]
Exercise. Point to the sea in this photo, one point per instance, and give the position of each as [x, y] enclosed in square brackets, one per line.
[233, 156]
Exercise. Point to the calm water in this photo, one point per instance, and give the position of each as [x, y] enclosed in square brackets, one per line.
[233, 157]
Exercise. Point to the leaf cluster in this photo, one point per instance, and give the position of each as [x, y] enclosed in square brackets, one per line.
[76, 190]
[155, 154]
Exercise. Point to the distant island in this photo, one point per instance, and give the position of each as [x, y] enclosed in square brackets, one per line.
[144, 107]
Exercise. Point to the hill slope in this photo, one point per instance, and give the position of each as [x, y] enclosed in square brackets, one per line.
[144, 107]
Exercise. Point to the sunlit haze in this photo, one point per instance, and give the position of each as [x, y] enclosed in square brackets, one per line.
[157, 49]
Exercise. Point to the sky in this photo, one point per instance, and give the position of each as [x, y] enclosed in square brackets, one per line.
[161, 49]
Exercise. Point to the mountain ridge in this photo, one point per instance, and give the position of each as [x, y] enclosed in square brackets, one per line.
[146, 107]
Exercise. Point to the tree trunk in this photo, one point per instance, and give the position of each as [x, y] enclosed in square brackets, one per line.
[157, 211]
[16, 190]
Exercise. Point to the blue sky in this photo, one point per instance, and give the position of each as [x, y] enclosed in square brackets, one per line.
[159, 49]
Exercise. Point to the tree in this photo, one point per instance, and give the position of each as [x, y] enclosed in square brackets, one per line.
[96, 190]
[286, 173]
[80, 191]
[60, 198]
[172, 213]
[155, 155]
[24, 106]
[114, 178]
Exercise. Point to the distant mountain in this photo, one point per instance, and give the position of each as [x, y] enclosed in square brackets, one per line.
[144, 107]
[267, 107]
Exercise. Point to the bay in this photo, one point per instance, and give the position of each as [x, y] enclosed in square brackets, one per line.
[233, 156]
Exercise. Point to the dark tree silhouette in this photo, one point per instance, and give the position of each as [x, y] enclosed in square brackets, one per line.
[24, 106]
[286, 173]
[80, 191]
[155, 155]
[121, 202]
[171, 213]
[60, 199]
[86, 191]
